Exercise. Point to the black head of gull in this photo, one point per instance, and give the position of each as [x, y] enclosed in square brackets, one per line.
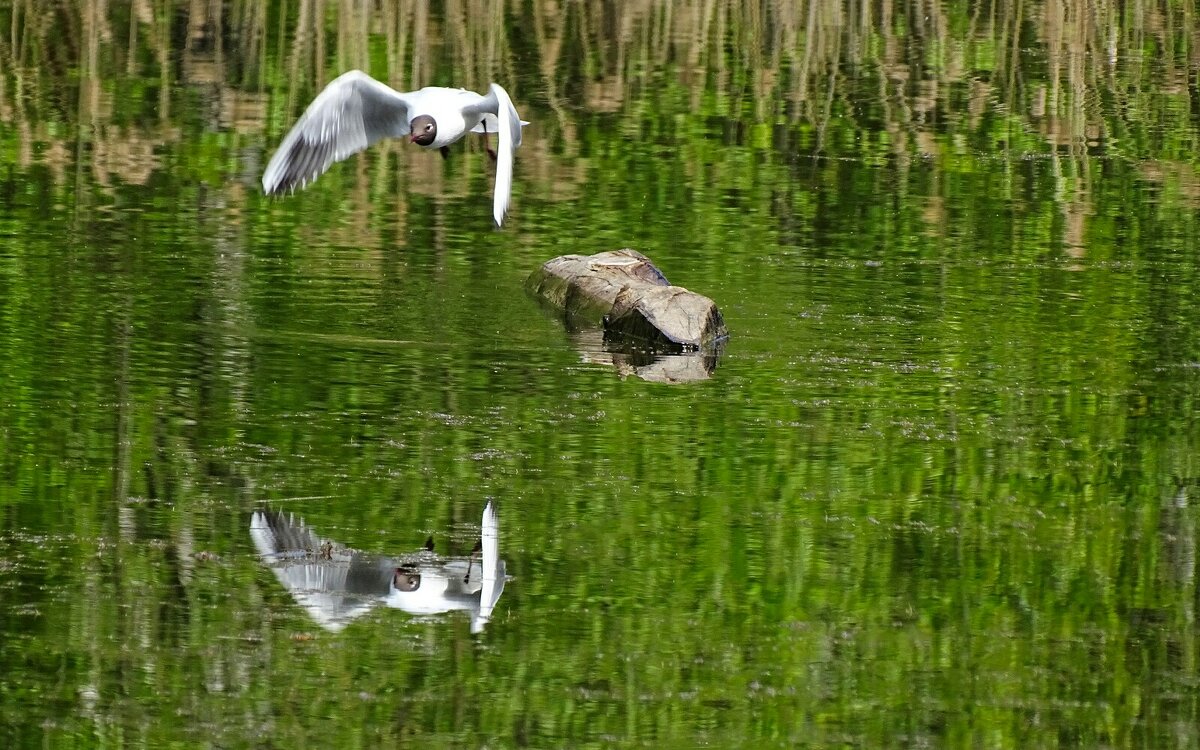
[355, 111]
[424, 130]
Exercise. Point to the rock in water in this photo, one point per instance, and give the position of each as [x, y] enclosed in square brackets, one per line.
[634, 298]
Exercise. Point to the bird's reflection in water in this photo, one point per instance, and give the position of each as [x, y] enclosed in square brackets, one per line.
[335, 584]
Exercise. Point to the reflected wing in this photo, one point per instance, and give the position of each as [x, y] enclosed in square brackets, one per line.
[498, 110]
[493, 568]
[351, 113]
[281, 536]
[332, 584]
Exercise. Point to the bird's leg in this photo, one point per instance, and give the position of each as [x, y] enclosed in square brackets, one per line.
[445, 152]
[476, 553]
[486, 143]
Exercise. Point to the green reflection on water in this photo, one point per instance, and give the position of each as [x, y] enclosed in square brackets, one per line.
[939, 490]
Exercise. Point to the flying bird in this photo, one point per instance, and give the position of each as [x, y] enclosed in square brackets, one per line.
[355, 110]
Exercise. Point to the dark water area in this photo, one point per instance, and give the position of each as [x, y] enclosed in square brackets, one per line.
[938, 489]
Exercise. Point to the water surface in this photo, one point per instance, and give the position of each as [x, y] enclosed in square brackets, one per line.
[938, 491]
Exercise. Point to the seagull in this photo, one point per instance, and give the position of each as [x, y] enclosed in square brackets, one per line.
[336, 584]
[355, 110]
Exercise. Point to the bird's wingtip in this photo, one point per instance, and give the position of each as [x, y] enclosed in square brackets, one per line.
[491, 518]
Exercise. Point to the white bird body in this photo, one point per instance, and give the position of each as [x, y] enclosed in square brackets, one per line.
[446, 107]
[355, 110]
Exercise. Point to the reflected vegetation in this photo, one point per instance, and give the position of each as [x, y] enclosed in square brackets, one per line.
[336, 585]
[949, 85]
[940, 492]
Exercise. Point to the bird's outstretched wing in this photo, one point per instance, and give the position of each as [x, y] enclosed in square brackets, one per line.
[508, 128]
[281, 537]
[350, 114]
[493, 568]
[332, 583]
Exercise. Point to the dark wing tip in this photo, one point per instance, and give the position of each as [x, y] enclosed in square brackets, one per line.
[302, 163]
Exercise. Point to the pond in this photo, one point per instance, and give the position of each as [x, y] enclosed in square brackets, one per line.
[938, 489]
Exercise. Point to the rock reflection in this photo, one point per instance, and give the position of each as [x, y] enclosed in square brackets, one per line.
[336, 584]
[656, 367]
